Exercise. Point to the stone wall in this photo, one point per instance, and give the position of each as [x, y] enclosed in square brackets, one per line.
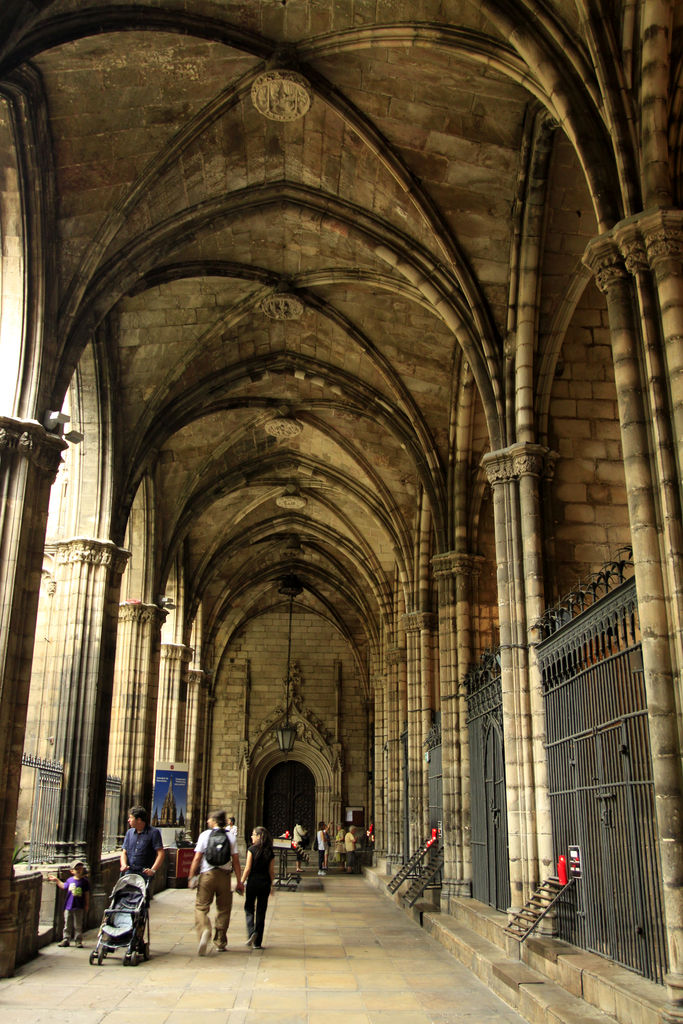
[589, 510]
[259, 655]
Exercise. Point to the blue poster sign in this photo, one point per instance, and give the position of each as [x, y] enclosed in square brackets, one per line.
[169, 805]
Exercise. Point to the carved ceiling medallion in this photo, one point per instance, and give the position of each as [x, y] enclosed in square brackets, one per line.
[283, 427]
[290, 500]
[282, 306]
[281, 95]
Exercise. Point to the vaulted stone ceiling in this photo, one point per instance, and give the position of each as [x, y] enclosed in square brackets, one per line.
[385, 218]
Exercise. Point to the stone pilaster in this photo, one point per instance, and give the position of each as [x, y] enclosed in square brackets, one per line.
[29, 460]
[134, 704]
[378, 766]
[396, 664]
[660, 644]
[172, 706]
[419, 629]
[88, 581]
[514, 475]
[455, 572]
[193, 717]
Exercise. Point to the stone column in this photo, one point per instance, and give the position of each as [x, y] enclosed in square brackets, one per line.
[418, 627]
[29, 459]
[134, 704]
[454, 573]
[378, 766]
[513, 474]
[396, 657]
[659, 643]
[652, 248]
[88, 578]
[172, 706]
[193, 718]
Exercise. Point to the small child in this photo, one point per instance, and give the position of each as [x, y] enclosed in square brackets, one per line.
[76, 905]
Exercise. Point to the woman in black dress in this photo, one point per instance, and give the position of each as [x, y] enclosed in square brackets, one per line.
[258, 877]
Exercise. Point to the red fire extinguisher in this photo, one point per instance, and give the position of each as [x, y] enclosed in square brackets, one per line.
[562, 869]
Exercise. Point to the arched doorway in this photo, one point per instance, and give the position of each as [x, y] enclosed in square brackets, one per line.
[288, 798]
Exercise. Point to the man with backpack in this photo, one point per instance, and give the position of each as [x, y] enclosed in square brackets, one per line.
[215, 858]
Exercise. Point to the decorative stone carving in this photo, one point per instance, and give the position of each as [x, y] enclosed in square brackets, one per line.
[282, 306]
[665, 243]
[291, 499]
[456, 563]
[396, 655]
[49, 583]
[414, 622]
[93, 552]
[516, 461]
[635, 256]
[32, 442]
[281, 95]
[177, 652]
[283, 427]
[135, 611]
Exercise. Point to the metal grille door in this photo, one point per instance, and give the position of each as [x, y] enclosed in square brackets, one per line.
[490, 863]
[601, 788]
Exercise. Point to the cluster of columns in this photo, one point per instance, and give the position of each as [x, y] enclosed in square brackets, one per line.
[638, 266]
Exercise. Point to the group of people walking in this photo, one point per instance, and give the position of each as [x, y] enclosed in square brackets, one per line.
[215, 860]
[212, 871]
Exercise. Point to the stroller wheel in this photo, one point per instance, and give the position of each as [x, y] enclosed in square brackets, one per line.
[93, 957]
[145, 951]
[134, 959]
[100, 955]
[126, 960]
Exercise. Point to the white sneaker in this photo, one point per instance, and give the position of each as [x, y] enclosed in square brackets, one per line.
[250, 940]
[204, 942]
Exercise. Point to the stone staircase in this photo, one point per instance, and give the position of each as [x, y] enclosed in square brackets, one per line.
[546, 980]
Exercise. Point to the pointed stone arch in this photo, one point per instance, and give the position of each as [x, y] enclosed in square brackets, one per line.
[313, 748]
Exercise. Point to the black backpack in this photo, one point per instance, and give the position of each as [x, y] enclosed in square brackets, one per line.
[218, 850]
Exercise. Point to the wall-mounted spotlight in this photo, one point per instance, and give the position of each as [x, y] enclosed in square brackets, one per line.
[53, 420]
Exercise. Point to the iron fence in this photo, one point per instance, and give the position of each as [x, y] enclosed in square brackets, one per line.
[46, 796]
[111, 839]
[600, 781]
[490, 857]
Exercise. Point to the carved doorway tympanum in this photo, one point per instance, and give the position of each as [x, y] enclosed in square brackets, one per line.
[288, 798]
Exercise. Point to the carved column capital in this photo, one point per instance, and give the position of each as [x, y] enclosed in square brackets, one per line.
[177, 652]
[396, 655]
[603, 258]
[28, 439]
[456, 563]
[516, 461]
[92, 552]
[415, 622]
[135, 611]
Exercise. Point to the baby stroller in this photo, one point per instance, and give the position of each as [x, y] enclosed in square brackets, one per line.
[124, 922]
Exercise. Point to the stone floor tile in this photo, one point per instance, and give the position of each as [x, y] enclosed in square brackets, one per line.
[323, 963]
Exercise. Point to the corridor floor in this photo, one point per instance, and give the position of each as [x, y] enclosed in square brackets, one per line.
[336, 950]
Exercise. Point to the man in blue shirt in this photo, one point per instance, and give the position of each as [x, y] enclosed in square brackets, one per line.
[143, 848]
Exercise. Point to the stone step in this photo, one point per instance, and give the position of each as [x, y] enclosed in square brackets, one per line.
[526, 990]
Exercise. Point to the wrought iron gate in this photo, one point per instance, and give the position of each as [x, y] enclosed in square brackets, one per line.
[46, 797]
[490, 864]
[405, 777]
[435, 775]
[600, 775]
